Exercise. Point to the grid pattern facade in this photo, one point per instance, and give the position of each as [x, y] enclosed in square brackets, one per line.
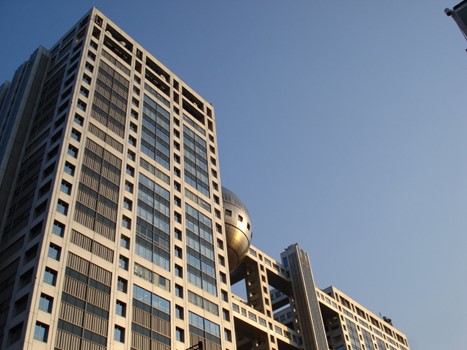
[351, 326]
[117, 240]
[112, 231]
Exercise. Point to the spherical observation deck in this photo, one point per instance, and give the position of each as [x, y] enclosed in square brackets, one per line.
[237, 224]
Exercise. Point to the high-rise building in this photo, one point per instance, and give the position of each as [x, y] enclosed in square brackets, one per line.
[115, 230]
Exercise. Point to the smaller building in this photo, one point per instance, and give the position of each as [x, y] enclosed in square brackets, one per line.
[349, 325]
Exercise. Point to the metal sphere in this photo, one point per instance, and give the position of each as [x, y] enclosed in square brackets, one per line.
[237, 224]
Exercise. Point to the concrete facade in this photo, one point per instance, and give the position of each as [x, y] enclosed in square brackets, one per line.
[113, 228]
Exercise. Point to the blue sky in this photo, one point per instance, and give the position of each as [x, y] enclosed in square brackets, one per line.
[341, 125]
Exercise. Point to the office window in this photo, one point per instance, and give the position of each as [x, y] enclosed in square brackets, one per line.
[131, 155]
[125, 242]
[41, 332]
[91, 55]
[227, 335]
[65, 187]
[83, 91]
[46, 303]
[120, 308]
[178, 234]
[179, 291]
[69, 169]
[72, 151]
[179, 312]
[54, 251]
[178, 252]
[178, 271]
[119, 334]
[75, 135]
[79, 120]
[81, 105]
[123, 262]
[50, 276]
[122, 284]
[127, 204]
[126, 222]
[223, 277]
[58, 228]
[221, 260]
[226, 314]
[180, 334]
[128, 187]
[62, 207]
[87, 79]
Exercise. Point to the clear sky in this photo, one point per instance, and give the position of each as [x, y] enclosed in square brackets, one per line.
[342, 125]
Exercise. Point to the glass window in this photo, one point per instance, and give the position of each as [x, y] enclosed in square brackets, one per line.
[227, 335]
[119, 334]
[125, 242]
[79, 120]
[75, 135]
[54, 251]
[41, 332]
[123, 262]
[81, 105]
[179, 291]
[83, 91]
[58, 228]
[128, 187]
[126, 222]
[62, 207]
[178, 252]
[178, 271]
[69, 168]
[127, 204]
[180, 334]
[122, 284]
[46, 303]
[72, 151]
[179, 312]
[120, 308]
[65, 187]
[130, 170]
[86, 79]
[50, 276]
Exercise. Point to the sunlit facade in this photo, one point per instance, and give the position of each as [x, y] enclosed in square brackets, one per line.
[116, 232]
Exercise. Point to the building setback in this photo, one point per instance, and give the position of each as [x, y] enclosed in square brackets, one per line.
[116, 232]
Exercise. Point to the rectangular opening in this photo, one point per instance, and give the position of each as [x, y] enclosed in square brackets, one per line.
[193, 111]
[193, 99]
[157, 69]
[156, 81]
[117, 49]
[119, 37]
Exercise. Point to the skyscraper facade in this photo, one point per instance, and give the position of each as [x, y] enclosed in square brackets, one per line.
[115, 230]
[112, 227]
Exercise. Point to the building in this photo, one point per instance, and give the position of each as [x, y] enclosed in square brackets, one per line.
[115, 230]
[459, 14]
